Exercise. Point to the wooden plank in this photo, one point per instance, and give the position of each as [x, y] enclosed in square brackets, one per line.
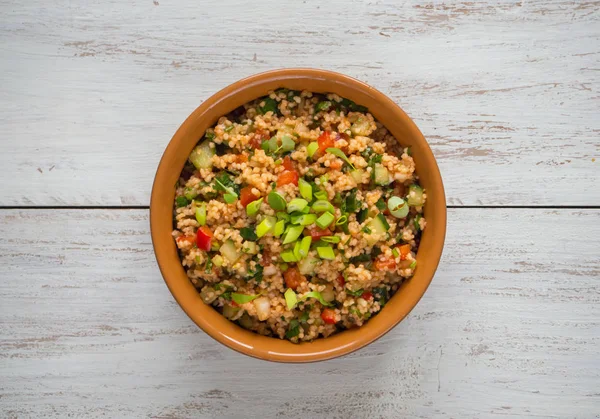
[509, 326]
[506, 92]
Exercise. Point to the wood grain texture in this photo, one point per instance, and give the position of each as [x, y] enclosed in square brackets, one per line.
[509, 327]
[507, 93]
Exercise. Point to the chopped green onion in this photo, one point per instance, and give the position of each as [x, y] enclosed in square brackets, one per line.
[413, 265]
[395, 252]
[306, 210]
[362, 215]
[324, 178]
[181, 201]
[304, 219]
[318, 296]
[253, 207]
[342, 220]
[283, 216]
[278, 162]
[398, 207]
[297, 250]
[415, 196]
[322, 206]
[296, 204]
[279, 228]
[339, 153]
[305, 189]
[312, 148]
[287, 144]
[265, 226]
[291, 299]
[283, 267]
[288, 256]
[243, 298]
[416, 222]
[304, 246]
[325, 220]
[276, 201]
[331, 239]
[201, 213]
[292, 234]
[229, 128]
[230, 198]
[326, 252]
[321, 195]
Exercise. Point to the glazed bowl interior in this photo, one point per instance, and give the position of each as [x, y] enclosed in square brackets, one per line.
[206, 115]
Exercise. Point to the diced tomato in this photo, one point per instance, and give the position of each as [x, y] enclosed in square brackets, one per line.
[404, 251]
[328, 316]
[325, 141]
[260, 135]
[384, 264]
[316, 233]
[185, 239]
[246, 196]
[203, 238]
[289, 176]
[293, 278]
[288, 164]
[367, 295]
[341, 280]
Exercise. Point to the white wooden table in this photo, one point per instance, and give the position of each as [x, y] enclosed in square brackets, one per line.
[508, 95]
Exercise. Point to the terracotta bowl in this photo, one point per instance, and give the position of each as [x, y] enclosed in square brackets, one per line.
[184, 140]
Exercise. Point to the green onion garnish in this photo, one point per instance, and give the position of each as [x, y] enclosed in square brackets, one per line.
[413, 265]
[322, 206]
[243, 298]
[291, 299]
[265, 226]
[342, 220]
[318, 296]
[416, 222]
[398, 207]
[331, 239]
[253, 207]
[181, 201]
[325, 220]
[321, 195]
[296, 204]
[304, 219]
[395, 252]
[292, 234]
[229, 128]
[201, 213]
[312, 148]
[283, 216]
[326, 252]
[305, 189]
[276, 201]
[304, 246]
[288, 256]
[339, 153]
[279, 228]
[297, 250]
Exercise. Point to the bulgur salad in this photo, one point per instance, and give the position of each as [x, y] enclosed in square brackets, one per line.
[298, 215]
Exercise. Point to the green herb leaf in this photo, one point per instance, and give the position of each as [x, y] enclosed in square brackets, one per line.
[270, 105]
[293, 330]
[380, 204]
[248, 233]
[181, 201]
[323, 106]
[356, 293]
[339, 153]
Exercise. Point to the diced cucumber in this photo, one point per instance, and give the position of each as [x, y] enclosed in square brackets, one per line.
[358, 175]
[381, 175]
[201, 156]
[250, 247]
[415, 196]
[307, 265]
[379, 225]
[229, 251]
[361, 127]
